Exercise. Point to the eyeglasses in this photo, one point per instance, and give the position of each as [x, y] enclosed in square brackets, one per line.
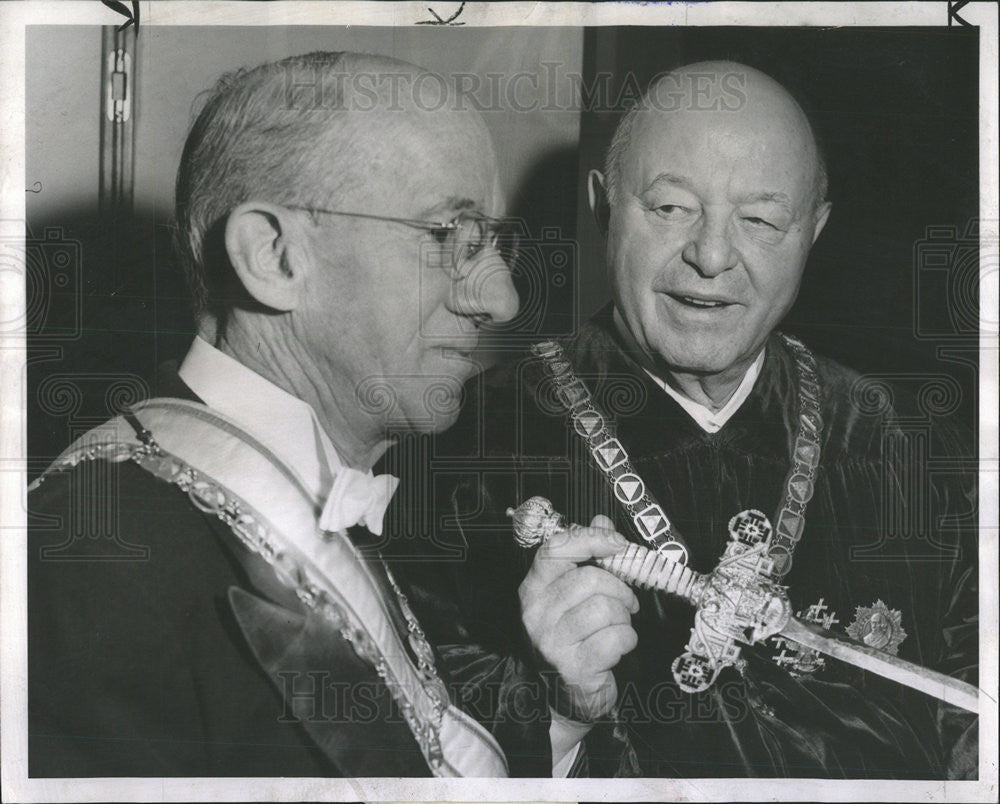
[458, 241]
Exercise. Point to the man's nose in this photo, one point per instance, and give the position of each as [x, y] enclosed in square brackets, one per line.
[710, 250]
[486, 291]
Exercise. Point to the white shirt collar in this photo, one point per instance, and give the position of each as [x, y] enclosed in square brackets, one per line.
[283, 423]
[289, 428]
[708, 420]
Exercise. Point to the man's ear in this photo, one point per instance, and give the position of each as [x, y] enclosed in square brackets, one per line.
[263, 255]
[821, 215]
[597, 194]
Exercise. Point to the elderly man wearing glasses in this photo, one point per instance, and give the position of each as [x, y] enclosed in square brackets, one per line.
[343, 260]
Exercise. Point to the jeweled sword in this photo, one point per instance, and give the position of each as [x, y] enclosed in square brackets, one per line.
[737, 604]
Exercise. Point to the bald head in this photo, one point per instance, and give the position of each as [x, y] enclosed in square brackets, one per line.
[715, 195]
[320, 129]
[722, 98]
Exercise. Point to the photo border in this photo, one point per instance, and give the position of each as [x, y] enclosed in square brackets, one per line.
[14, 17]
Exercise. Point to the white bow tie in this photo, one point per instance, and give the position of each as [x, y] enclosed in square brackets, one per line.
[357, 498]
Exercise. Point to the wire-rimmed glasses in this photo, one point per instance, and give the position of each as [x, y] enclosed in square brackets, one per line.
[460, 240]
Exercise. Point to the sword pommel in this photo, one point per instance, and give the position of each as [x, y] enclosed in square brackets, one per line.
[535, 522]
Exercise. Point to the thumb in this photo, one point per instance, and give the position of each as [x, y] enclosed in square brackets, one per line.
[601, 521]
[582, 544]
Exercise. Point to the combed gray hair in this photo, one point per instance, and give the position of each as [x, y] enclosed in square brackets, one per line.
[251, 140]
[623, 136]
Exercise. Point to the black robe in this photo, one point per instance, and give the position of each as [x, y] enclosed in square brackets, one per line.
[513, 441]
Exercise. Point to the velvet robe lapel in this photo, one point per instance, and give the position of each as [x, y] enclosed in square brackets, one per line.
[343, 705]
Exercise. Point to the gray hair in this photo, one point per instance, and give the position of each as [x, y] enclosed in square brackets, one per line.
[623, 136]
[251, 140]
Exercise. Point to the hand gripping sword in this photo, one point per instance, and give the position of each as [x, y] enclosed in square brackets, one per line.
[736, 603]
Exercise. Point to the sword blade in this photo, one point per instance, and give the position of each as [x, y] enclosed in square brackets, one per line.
[944, 688]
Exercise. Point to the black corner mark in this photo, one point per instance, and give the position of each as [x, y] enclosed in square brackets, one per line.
[438, 21]
[121, 8]
[954, 6]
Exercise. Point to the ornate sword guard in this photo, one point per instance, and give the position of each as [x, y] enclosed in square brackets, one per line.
[739, 604]
[736, 603]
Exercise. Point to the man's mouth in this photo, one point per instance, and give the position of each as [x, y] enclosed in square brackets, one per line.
[699, 302]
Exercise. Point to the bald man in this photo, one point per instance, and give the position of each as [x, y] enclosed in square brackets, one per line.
[343, 257]
[674, 410]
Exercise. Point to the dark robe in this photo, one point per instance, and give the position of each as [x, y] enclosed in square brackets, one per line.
[514, 441]
[158, 645]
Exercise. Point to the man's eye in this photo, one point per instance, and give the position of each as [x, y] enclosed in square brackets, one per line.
[760, 222]
[671, 211]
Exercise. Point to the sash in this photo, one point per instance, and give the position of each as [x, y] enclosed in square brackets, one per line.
[228, 473]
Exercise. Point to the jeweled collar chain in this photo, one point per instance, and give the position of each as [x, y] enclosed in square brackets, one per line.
[592, 425]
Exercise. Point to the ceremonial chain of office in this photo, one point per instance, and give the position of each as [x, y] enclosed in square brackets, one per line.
[594, 427]
[597, 430]
[801, 480]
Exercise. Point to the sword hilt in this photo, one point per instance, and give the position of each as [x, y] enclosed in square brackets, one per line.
[536, 521]
[642, 567]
